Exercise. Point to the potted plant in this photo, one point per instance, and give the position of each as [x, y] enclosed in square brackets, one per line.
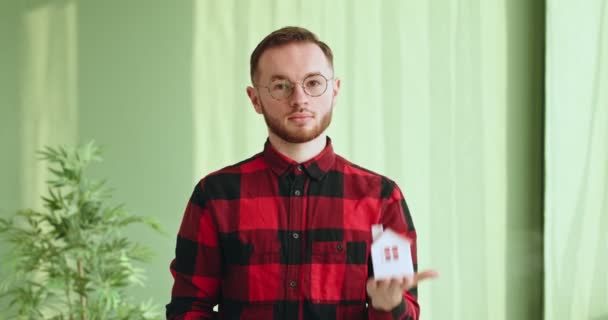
[71, 261]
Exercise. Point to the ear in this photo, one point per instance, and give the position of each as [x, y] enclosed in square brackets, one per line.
[335, 90]
[252, 93]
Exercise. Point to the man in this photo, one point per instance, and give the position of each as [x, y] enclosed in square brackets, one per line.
[286, 234]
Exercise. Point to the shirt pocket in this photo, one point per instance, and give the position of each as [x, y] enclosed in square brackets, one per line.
[265, 251]
[328, 252]
[249, 248]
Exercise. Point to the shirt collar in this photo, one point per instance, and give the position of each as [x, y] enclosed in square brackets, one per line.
[316, 167]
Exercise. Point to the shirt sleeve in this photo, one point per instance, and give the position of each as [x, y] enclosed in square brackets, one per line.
[396, 215]
[197, 266]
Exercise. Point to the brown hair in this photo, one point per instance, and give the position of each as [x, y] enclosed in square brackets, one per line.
[285, 36]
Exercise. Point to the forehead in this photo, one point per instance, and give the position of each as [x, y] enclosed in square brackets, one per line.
[294, 61]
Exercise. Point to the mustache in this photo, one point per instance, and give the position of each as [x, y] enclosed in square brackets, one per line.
[302, 111]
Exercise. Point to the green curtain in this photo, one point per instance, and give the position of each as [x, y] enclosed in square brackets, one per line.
[445, 97]
[576, 199]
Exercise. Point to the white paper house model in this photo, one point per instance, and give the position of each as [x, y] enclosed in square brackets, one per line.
[391, 255]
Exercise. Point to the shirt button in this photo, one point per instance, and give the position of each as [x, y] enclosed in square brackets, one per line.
[295, 235]
[297, 193]
[340, 247]
[293, 284]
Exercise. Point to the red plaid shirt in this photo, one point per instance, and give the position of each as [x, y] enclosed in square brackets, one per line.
[269, 238]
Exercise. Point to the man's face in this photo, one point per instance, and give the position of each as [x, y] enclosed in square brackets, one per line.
[300, 117]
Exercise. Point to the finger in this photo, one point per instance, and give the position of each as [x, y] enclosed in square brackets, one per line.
[390, 284]
[412, 281]
[372, 285]
[383, 284]
[395, 284]
[408, 283]
[427, 274]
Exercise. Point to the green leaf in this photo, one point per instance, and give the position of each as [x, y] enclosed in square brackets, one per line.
[5, 225]
[74, 248]
[154, 224]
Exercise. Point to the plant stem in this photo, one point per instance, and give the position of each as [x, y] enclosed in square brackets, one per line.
[83, 298]
[69, 297]
[68, 288]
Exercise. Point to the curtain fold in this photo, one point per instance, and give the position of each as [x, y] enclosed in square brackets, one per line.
[49, 112]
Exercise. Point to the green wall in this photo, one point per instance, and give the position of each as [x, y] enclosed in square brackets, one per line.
[10, 154]
[9, 107]
[135, 93]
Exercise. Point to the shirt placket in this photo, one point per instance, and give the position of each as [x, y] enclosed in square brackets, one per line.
[296, 211]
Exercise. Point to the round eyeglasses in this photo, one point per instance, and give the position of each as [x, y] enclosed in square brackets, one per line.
[313, 85]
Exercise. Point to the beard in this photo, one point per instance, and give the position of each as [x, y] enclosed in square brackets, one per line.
[297, 134]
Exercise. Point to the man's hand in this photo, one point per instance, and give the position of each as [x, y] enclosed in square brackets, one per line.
[386, 294]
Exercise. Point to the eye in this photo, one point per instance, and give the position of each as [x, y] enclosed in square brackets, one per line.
[312, 83]
[279, 86]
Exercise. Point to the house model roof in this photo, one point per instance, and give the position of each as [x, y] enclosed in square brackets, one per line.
[391, 236]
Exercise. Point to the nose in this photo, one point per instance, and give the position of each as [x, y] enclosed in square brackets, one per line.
[298, 97]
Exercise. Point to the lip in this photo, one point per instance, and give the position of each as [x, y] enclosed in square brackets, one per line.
[300, 116]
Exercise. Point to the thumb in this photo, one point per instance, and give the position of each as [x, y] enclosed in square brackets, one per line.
[427, 274]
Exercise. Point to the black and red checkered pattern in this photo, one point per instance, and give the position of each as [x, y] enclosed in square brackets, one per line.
[269, 238]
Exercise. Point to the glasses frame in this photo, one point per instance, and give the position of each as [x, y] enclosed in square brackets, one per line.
[301, 84]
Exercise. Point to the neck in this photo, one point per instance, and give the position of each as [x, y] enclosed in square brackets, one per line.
[299, 152]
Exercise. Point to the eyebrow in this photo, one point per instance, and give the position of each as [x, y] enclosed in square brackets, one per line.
[283, 77]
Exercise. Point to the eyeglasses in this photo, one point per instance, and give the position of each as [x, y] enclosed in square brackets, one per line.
[314, 85]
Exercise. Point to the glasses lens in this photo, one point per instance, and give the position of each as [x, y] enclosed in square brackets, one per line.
[315, 85]
[280, 89]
